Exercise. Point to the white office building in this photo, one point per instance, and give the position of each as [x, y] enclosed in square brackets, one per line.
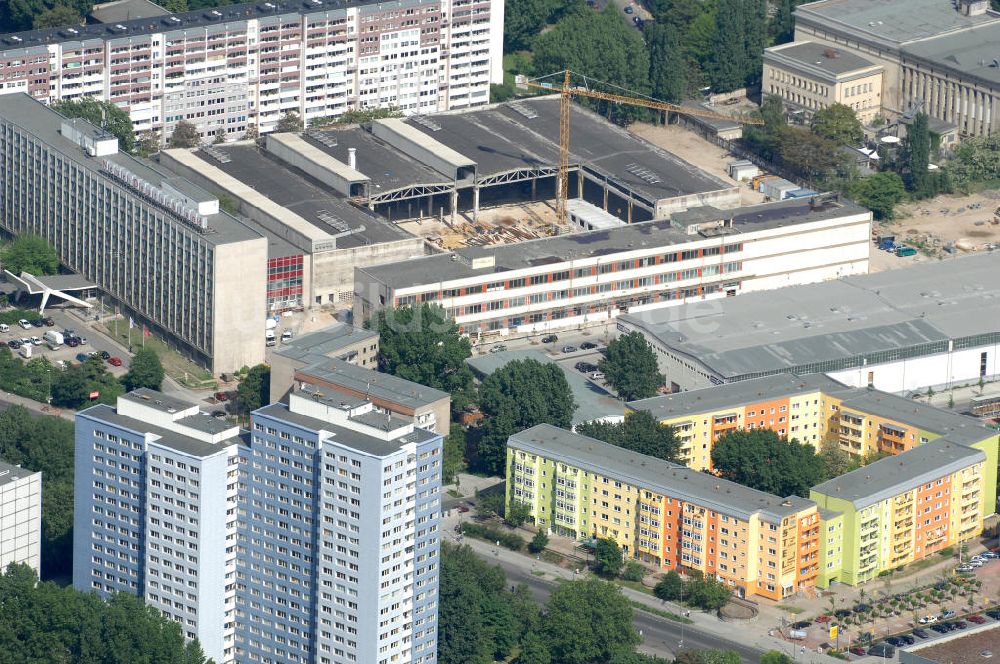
[20, 517]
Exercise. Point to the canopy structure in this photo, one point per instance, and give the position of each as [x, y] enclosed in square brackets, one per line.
[56, 285]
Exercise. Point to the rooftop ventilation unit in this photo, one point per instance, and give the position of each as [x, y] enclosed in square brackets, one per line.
[426, 122]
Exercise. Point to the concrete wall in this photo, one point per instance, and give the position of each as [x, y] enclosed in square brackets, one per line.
[240, 304]
[333, 271]
[918, 373]
[721, 198]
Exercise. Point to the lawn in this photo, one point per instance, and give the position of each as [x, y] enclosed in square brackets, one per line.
[178, 367]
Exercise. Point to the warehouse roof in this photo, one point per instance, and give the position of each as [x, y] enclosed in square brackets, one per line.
[971, 53]
[919, 308]
[594, 245]
[822, 58]
[892, 475]
[888, 20]
[671, 479]
[326, 342]
[361, 381]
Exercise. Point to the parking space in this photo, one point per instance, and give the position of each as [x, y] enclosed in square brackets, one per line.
[86, 343]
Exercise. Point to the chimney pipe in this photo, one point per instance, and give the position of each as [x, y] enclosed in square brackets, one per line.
[352, 158]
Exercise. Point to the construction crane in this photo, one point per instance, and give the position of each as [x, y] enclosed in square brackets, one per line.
[568, 91]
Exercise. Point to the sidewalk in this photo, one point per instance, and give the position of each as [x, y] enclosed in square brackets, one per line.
[37, 406]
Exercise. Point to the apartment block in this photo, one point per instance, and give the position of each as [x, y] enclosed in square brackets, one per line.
[313, 537]
[901, 509]
[339, 535]
[155, 513]
[665, 514]
[20, 517]
[159, 247]
[590, 278]
[233, 67]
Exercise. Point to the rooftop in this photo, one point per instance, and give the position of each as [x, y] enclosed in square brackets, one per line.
[956, 428]
[594, 245]
[45, 124]
[887, 20]
[166, 437]
[299, 193]
[345, 436]
[888, 477]
[156, 400]
[972, 53]
[10, 473]
[125, 10]
[796, 329]
[821, 57]
[965, 648]
[326, 342]
[661, 476]
[361, 381]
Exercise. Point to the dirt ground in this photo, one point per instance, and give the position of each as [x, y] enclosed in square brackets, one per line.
[942, 226]
[692, 148]
[504, 224]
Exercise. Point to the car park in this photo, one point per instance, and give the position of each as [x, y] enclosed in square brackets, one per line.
[588, 345]
[965, 568]
[36, 341]
[928, 620]
[883, 650]
[105, 355]
[921, 633]
[550, 339]
[979, 620]
[115, 361]
[906, 639]
[859, 651]
[948, 614]
[82, 357]
[25, 325]
[569, 349]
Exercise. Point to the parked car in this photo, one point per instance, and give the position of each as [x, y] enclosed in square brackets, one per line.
[958, 624]
[48, 322]
[859, 651]
[940, 628]
[38, 322]
[462, 508]
[802, 624]
[25, 341]
[979, 620]
[588, 345]
[906, 639]
[585, 367]
[976, 563]
[990, 555]
[115, 361]
[36, 341]
[628, 9]
[13, 343]
[894, 641]
[948, 614]
[965, 568]
[569, 349]
[82, 340]
[883, 650]
[597, 375]
[861, 608]
[921, 633]
[823, 619]
[82, 357]
[222, 396]
[994, 613]
[219, 414]
[24, 324]
[928, 620]
[550, 339]
[72, 342]
[4, 327]
[105, 355]
[286, 336]
[499, 348]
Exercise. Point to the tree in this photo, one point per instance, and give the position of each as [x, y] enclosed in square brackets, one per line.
[524, 20]
[720, 657]
[454, 454]
[518, 396]
[881, 193]
[69, 390]
[533, 650]
[517, 514]
[56, 17]
[147, 143]
[144, 371]
[421, 343]
[670, 588]
[602, 46]
[32, 254]
[667, 67]
[634, 571]
[72, 388]
[976, 160]
[838, 123]
[917, 149]
[809, 155]
[252, 133]
[629, 366]
[254, 390]
[102, 114]
[608, 559]
[835, 460]
[638, 432]
[490, 504]
[740, 37]
[185, 135]
[289, 123]
[706, 593]
[587, 622]
[538, 542]
[761, 460]
[775, 657]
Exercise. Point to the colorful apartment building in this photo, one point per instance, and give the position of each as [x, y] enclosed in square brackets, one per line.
[903, 508]
[665, 514]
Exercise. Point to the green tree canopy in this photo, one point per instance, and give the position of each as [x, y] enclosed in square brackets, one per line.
[738, 46]
[145, 370]
[917, 148]
[56, 17]
[639, 432]
[185, 135]
[881, 193]
[72, 387]
[587, 622]
[598, 45]
[101, 114]
[781, 27]
[515, 397]
[775, 657]
[290, 123]
[421, 343]
[32, 254]
[629, 366]
[839, 123]
[667, 65]
[523, 21]
[705, 592]
[670, 587]
[608, 560]
[254, 389]
[760, 459]
[835, 460]
[976, 160]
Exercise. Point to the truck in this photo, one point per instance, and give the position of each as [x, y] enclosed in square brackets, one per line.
[54, 339]
[902, 252]
[25, 351]
[887, 242]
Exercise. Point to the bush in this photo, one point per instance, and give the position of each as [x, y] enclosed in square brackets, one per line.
[538, 542]
[946, 552]
[670, 587]
[633, 571]
[491, 534]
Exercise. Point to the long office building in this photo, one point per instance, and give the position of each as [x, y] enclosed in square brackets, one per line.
[20, 517]
[230, 68]
[665, 514]
[313, 537]
[159, 246]
[591, 277]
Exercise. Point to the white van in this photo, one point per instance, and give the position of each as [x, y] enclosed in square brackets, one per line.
[269, 339]
[286, 336]
[4, 327]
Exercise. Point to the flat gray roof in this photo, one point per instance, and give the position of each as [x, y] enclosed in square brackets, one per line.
[592, 402]
[892, 475]
[166, 437]
[297, 192]
[951, 426]
[795, 329]
[891, 20]
[44, 123]
[348, 437]
[156, 400]
[609, 149]
[970, 53]
[823, 57]
[591, 244]
[671, 479]
[11, 473]
[379, 385]
[125, 10]
[326, 342]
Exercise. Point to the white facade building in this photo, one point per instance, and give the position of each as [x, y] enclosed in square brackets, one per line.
[20, 517]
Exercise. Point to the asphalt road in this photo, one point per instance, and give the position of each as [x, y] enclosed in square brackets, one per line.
[660, 636]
